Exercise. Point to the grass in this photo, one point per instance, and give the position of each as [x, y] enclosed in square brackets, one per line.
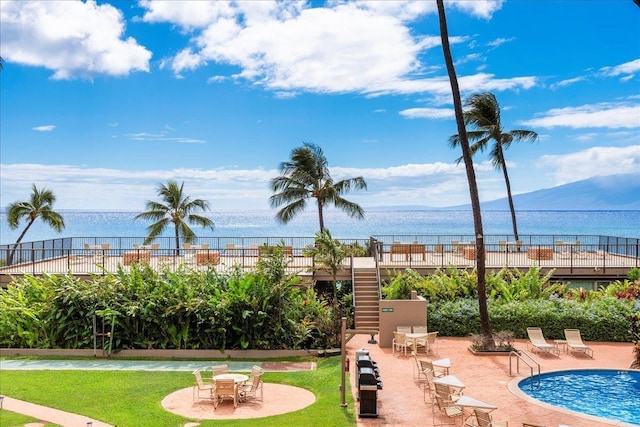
[132, 398]
[11, 419]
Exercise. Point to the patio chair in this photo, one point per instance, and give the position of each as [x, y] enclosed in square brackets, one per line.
[431, 342]
[256, 370]
[532, 425]
[484, 419]
[404, 329]
[401, 342]
[418, 372]
[225, 388]
[574, 342]
[538, 342]
[446, 392]
[421, 342]
[219, 369]
[252, 389]
[429, 387]
[502, 244]
[200, 387]
[437, 371]
[449, 413]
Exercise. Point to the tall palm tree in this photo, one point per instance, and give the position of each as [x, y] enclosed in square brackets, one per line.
[483, 116]
[39, 206]
[485, 326]
[307, 176]
[175, 207]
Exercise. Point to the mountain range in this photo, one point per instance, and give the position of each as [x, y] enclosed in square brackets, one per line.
[612, 192]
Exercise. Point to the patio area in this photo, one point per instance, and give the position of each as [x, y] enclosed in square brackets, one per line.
[401, 401]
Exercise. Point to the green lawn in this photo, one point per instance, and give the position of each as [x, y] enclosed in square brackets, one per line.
[132, 398]
[11, 419]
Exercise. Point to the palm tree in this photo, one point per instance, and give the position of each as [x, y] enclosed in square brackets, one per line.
[175, 207]
[39, 206]
[328, 255]
[306, 176]
[485, 325]
[483, 115]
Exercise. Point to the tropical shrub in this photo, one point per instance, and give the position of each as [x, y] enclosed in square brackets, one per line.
[598, 320]
[264, 309]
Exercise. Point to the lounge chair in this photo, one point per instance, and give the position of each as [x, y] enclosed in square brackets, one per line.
[484, 419]
[537, 341]
[574, 342]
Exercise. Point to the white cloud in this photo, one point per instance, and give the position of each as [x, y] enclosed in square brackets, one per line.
[500, 41]
[290, 47]
[567, 82]
[428, 113]
[225, 188]
[626, 68]
[44, 128]
[596, 161]
[72, 38]
[603, 115]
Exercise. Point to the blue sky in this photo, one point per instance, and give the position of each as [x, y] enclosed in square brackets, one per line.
[101, 102]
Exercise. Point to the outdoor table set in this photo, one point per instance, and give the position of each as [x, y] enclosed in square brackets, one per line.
[224, 384]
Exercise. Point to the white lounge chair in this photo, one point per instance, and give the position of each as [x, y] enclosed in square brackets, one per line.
[537, 341]
[574, 342]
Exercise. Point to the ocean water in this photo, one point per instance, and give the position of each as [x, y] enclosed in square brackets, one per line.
[376, 223]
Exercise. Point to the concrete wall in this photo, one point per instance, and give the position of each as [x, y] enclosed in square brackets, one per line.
[394, 313]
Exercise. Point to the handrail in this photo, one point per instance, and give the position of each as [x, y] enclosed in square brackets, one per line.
[518, 359]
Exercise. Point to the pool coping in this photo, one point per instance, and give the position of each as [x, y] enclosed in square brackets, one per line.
[513, 387]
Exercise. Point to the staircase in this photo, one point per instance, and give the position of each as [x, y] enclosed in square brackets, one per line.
[365, 289]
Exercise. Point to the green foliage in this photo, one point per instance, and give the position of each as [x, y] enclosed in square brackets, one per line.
[634, 274]
[603, 319]
[509, 285]
[184, 309]
[401, 285]
[328, 255]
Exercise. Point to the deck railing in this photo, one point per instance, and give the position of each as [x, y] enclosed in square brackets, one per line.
[96, 255]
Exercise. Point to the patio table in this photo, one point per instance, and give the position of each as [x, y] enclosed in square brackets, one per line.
[237, 378]
[443, 363]
[451, 381]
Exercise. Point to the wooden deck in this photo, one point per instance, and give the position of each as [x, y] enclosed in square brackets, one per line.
[588, 264]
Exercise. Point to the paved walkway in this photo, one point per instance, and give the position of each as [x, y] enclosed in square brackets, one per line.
[56, 416]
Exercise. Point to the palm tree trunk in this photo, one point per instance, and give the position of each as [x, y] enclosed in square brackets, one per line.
[510, 198]
[321, 215]
[15, 246]
[485, 325]
[177, 240]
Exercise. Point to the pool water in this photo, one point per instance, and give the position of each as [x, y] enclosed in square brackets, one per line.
[605, 393]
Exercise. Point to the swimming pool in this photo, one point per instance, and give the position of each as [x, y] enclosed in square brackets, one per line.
[607, 393]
